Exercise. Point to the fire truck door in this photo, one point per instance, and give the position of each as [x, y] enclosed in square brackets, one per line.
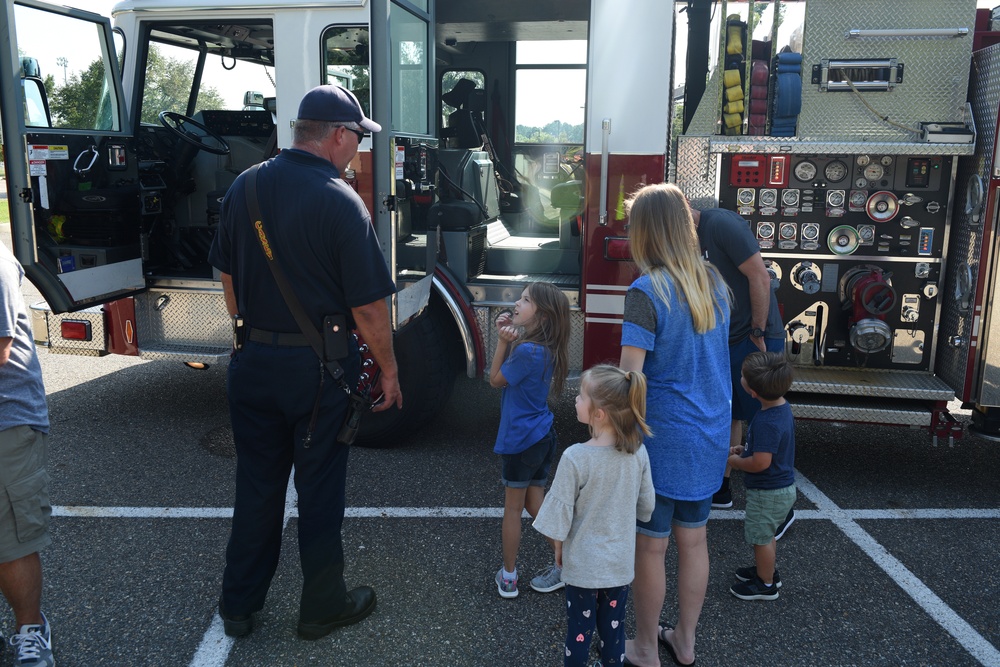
[71, 170]
[402, 93]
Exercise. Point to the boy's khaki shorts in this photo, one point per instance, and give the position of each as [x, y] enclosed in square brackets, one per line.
[24, 493]
[766, 509]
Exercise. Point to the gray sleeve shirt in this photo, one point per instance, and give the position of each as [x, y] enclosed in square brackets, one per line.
[596, 496]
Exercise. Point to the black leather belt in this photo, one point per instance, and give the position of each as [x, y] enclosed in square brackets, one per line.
[278, 338]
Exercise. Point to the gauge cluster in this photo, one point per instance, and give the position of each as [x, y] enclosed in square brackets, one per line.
[848, 240]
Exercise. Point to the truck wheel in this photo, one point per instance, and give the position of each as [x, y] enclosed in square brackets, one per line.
[426, 353]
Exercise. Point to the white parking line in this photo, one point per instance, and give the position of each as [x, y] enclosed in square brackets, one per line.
[215, 646]
[945, 616]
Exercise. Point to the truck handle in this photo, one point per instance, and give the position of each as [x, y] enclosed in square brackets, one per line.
[605, 132]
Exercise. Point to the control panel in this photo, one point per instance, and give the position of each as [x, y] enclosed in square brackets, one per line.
[854, 244]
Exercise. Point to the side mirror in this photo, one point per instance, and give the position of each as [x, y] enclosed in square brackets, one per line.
[253, 100]
[36, 103]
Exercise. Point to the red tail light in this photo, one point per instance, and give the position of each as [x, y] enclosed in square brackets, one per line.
[75, 330]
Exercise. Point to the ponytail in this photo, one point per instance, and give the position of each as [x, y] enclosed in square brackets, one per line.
[622, 396]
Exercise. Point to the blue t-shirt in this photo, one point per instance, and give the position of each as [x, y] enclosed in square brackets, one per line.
[525, 417]
[689, 391]
[22, 394]
[772, 430]
[321, 233]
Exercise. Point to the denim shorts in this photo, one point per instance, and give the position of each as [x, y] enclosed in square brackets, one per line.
[24, 493]
[530, 467]
[746, 406]
[669, 512]
[766, 509]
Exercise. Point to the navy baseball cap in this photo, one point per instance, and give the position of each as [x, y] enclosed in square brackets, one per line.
[335, 104]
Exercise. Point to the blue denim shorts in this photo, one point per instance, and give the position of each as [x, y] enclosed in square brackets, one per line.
[669, 512]
[530, 467]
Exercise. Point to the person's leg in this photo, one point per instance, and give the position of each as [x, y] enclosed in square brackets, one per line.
[764, 557]
[611, 624]
[649, 589]
[692, 584]
[21, 585]
[581, 618]
[510, 532]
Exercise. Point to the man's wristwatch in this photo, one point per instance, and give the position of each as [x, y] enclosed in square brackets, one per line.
[757, 332]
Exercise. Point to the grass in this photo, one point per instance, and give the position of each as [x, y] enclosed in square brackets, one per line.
[4, 214]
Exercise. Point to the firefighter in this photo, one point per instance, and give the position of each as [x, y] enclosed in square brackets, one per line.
[286, 408]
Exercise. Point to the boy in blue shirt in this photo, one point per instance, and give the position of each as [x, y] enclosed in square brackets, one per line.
[768, 461]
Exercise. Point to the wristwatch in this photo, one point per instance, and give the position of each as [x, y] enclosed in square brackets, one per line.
[757, 332]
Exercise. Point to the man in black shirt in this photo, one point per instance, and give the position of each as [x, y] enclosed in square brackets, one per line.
[320, 233]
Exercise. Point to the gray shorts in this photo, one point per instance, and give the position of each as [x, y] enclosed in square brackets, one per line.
[24, 504]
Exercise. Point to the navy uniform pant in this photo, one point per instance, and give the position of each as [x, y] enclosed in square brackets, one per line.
[272, 393]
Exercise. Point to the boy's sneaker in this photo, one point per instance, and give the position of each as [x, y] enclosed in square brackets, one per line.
[33, 645]
[548, 580]
[789, 520]
[722, 499]
[754, 589]
[507, 588]
[749, 573]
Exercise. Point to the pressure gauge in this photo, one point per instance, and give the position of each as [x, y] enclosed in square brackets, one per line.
[858, 199]
[810, 231]
[835, 198]
[787, 231]
[867, 234]
[874, 172]
[861, 182]
[745, 196]
[790, 197]
[765, 230]
[863, 160]
[835, 171]
[805, 171]
[886, 160]
[768, 197]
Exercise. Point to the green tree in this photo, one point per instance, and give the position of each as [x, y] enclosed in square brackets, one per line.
[83, 103]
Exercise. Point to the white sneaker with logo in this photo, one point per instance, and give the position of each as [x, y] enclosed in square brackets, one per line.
[33, 646]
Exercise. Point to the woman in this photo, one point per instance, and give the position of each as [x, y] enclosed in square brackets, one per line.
[676, 331]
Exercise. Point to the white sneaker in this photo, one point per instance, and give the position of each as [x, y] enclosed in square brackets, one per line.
[33, 645]
[548, 580]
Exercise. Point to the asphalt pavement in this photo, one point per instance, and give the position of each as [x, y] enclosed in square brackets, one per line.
[889, 562]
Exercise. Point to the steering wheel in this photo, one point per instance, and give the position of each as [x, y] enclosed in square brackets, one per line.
[176, 123]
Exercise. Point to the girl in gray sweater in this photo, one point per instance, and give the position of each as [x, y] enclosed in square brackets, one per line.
[601, 486]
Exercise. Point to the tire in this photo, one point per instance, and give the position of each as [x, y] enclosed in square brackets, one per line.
[427, 353]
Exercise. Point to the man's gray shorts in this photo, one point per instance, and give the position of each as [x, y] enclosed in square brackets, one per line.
[24, 503]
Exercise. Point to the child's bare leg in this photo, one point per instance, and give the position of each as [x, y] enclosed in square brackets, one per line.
[764, 555]
[532, 503]
[510, 532]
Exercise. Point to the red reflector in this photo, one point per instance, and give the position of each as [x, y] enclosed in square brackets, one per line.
[617, 249]
[75, 330]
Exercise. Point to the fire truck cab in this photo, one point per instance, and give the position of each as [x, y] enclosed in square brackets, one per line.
[513, 133]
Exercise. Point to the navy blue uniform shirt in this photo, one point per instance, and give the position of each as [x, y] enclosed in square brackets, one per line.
[321, 233]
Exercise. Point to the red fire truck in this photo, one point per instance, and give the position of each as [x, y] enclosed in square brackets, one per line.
[513, 133]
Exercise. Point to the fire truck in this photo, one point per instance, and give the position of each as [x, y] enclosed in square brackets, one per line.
[847, 136]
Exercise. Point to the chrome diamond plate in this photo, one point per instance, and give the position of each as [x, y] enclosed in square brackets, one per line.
[485, 315]
[935, 78]
[96, 346]
[192, 325]
[867, 411]
[966, 242]
[870, 382]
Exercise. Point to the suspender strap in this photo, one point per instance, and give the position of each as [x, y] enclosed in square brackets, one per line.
[291, 300]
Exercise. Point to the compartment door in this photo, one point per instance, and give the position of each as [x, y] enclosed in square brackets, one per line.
[402, 100]
[71, 171]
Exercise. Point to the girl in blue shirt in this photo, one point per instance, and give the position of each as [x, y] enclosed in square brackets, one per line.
[532, 355]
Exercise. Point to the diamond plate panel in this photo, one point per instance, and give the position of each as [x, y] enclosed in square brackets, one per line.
[868, 411]
[96, 346]
[966, 242]
[872, 382]
[190, 324]
[935, 80]
[485, 316]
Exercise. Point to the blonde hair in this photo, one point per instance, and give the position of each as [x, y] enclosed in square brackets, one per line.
[550, 328]
[622, 396]
[664, 244]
